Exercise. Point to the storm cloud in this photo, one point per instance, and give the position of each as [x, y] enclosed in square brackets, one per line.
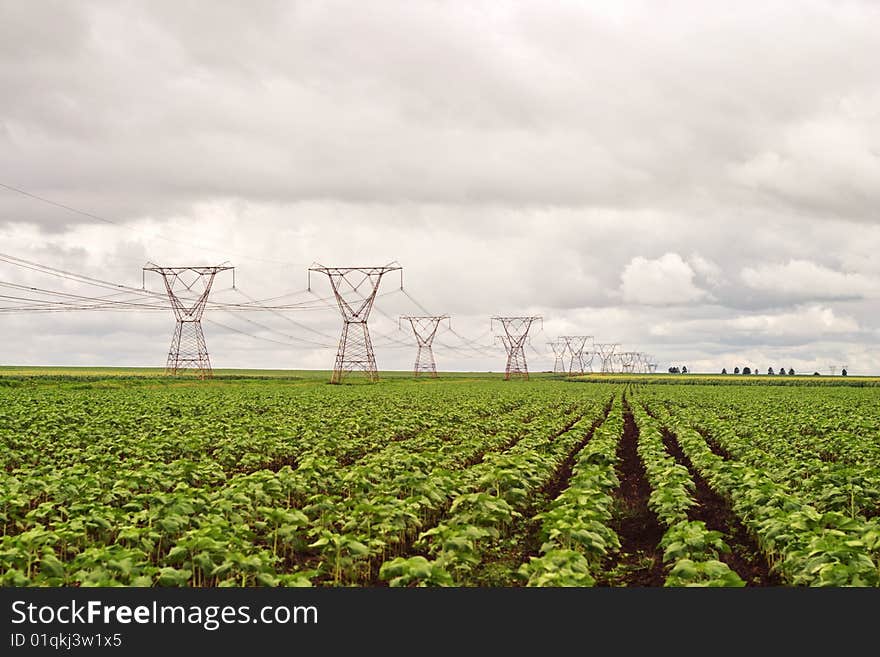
[696, 180]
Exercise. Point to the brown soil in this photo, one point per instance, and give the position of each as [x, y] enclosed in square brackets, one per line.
[559, 481]
[524, 537]
[520, 533]
[640, 562]
[744, 558]
[275, 465]
[714, 445]
[478, 457]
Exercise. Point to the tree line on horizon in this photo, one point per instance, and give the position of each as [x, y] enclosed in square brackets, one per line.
[748, 371]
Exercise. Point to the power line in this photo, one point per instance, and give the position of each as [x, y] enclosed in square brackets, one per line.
[72, 276]
[104, 300]
[285, 317]
[277, 332]
[411, 298]
[100, 283]
[32, 299]
[96, 217]
[250, 335]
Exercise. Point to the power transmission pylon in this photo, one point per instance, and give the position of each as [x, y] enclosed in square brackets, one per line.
[637, 363]
[606, 353]
[516, 332]
[587, 360]
[576, 344]
[424, 328]
[559, 350]
[355, 348]
[627, 361]
[188, 289]
[516, 359]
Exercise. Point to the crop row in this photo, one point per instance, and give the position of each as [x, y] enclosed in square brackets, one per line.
[806, 546]
[575, 533]
[690, 548]
[497, 492]
[313, 519]
[824, 444]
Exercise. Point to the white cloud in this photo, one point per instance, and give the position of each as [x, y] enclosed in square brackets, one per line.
[706, 269]
[811, 321]
[664, 281]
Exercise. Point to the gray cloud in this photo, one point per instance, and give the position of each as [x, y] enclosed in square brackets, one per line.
[697, 180]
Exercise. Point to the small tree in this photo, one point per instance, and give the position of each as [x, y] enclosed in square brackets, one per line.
[843, 372]
[684, 369]
[747, 370]
[724, 370]
[781, 371]
[770, 371]
[736, 370]
[791, 371]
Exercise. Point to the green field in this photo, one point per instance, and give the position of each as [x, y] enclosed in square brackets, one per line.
[276, 478]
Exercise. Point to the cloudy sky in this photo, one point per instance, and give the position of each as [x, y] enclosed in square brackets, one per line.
[698, 180]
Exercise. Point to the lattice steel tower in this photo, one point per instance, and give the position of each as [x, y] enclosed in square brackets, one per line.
[188, 289]
[424, 328]
[587, 360]
[576, 344]
[516, 333]
[559, 351]
[355, 348]
[606, 353]
[627, 360]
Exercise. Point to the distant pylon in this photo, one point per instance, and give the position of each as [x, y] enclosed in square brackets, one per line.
[559, 349]
[188, 289]
[355, 348]
[516, 332]
[606, 353]
[627, 361]
[587, 360]
[576, 344]
[424, 328]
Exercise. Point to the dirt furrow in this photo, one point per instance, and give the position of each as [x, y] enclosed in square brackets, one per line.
[640, 562]
[714, 445]
[518, 535]
[523, 540]
[744, 558]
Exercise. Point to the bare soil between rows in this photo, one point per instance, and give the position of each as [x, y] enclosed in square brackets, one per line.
[714, 445]
[524, 538]
[745, 558]
[640, 561]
